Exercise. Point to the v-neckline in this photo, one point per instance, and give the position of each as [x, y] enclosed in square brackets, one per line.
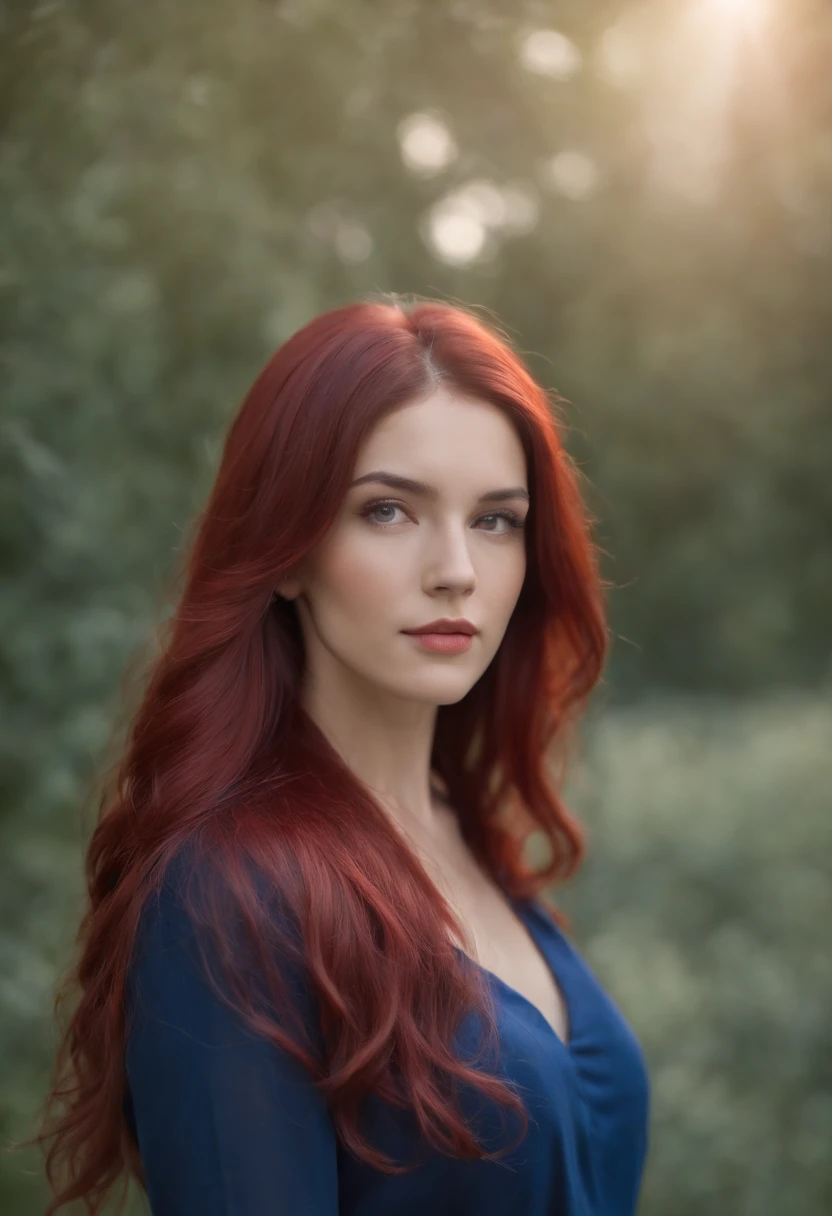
[568, 1043]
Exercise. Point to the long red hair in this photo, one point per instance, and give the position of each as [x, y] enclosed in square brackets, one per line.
[220, 758]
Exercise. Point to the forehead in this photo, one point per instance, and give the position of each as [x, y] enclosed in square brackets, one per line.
[448, 437]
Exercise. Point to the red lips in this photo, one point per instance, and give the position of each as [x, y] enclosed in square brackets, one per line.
[446, 626]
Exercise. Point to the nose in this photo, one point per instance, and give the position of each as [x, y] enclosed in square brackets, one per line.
[451, 567]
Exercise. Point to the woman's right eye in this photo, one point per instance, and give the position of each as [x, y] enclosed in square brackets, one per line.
[382, 505]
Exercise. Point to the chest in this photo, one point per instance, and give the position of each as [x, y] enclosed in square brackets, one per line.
[496, 938]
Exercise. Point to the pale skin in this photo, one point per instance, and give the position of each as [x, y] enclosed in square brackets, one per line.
[398, 559]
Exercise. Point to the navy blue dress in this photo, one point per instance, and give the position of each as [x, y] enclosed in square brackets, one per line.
[228, 1125]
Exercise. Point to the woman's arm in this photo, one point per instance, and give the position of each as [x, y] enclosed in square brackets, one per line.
[227, 1123]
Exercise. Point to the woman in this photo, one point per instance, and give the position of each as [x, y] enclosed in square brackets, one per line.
[316, 972]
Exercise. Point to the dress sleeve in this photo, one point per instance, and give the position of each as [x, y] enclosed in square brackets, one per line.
[227, 1123]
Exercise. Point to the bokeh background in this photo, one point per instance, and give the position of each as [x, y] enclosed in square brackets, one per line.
[640, 194]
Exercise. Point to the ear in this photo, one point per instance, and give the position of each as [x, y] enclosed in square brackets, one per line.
[288, 588]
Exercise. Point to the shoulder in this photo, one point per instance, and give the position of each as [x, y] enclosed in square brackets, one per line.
[212, 959]
[196, 885]
[205, 916]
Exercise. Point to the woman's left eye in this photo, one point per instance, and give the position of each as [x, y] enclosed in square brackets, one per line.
[513, 520]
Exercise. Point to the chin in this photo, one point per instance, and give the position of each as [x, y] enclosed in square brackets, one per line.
[441, 692]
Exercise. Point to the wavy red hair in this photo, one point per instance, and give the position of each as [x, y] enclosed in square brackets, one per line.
[220, 758]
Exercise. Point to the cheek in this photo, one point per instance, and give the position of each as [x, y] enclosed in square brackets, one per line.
[508, 582]
[361, 576]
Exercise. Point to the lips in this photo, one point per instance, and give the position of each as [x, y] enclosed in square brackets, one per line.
[445, 626]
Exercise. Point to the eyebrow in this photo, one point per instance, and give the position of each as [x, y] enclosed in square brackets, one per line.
[408, 485]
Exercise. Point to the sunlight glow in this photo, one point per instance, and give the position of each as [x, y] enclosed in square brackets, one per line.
[426, 144]
[571, 173]
[738, 10]
[455, 236]
[550, 53]
[707, 53]
[470, 222]
[617, 59]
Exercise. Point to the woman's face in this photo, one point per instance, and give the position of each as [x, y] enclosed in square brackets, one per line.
[399, 558]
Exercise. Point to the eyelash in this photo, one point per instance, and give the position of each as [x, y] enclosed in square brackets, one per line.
[504, 513]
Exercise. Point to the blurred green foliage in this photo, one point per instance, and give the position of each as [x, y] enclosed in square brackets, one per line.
[640, 193]
[705, 906]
